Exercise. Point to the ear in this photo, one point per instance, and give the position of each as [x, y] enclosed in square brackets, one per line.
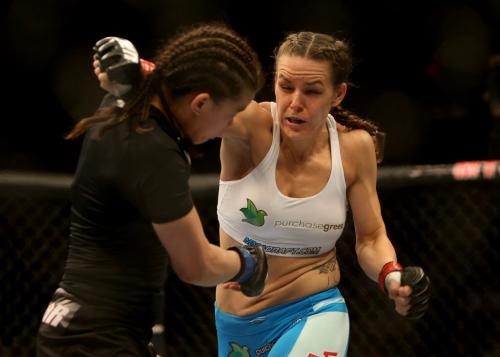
[199, 102]
[340, 94]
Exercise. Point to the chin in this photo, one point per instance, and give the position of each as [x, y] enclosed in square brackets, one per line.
[199, 140]
[291, 133]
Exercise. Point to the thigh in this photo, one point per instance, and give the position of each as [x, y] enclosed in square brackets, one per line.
[102, 342]
[71, 328]
[321, 335]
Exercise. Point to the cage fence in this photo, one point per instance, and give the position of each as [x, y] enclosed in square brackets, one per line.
[445, 218]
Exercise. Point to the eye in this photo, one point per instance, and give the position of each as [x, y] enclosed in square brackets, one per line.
[285, 87]
[313, 92]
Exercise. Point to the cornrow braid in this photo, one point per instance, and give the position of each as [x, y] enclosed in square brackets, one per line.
[210, 49]
[195, 58]
[353, 121]
[240, 44]
[206, 58]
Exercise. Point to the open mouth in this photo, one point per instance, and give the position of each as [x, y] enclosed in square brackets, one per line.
[295, 120]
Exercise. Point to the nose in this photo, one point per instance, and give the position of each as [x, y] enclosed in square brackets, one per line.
[296, 102]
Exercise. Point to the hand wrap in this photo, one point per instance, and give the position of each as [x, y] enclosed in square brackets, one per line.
[253, 272]
[414, 277]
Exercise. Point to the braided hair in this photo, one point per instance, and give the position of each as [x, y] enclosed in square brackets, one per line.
[208, 58]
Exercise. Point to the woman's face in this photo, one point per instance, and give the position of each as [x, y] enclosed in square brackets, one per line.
[216, 117]
[304, 95]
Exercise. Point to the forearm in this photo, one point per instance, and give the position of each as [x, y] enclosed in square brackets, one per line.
[197, 261]
[374, 253]
[214, 266]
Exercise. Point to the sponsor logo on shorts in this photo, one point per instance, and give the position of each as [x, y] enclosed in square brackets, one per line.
[264, 349]
[238, 351]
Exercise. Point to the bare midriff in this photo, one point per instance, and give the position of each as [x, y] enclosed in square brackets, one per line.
[289, 278]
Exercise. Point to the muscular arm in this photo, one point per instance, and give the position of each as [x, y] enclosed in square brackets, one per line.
[246, 141]
[156, 183]
[193, 258]
[373, 247]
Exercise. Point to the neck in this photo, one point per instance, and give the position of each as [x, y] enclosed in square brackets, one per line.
[304, 148]
[162, 104]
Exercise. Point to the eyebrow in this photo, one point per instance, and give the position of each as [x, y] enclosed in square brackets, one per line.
[317, 81]
[311, 83]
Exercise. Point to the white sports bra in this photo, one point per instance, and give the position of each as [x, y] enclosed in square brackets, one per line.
[253, 211]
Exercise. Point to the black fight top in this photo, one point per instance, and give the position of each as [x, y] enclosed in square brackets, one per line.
[124, 182]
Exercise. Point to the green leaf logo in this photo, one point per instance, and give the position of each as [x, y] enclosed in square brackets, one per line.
[238, 351]
[252, 215]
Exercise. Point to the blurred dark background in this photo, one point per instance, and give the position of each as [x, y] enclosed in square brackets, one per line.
[420, 68]
[421, 71]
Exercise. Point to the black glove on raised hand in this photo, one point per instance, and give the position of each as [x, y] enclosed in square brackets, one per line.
[120, 60]
[253, 272]
[419, 282]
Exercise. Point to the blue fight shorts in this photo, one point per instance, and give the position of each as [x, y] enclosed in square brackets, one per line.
[314, 326]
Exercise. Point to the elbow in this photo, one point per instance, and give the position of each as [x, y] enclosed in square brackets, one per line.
[361, 245]
[191, 273]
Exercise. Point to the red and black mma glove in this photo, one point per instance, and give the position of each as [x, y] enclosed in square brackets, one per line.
[119, 58]
[253, 272]
[414, 277]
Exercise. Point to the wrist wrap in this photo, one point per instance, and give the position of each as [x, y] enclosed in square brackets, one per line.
[247, 265]
[386, 269]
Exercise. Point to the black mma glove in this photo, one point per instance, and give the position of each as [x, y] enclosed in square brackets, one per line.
[253, 272]
[120, 60]
[414, 277]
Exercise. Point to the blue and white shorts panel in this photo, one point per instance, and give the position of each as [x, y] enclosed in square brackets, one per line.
[317, 325]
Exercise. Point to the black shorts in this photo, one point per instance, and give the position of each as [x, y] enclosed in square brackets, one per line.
[70, 328]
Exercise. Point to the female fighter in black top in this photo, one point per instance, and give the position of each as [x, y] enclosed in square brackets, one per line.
[132, 205]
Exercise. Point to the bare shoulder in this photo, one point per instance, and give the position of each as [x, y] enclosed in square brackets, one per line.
[358, 152]
[256, 113]
[253, 109]
[256, 119]
[266, 106]
[357, 142]
[259, 124]
[246, 141]
[245, 122]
